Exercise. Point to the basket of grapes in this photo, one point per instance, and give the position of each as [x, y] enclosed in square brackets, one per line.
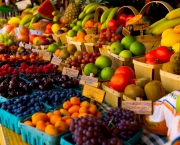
[117, 127]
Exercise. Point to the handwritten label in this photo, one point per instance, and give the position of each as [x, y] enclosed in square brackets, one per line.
[70, 72]
[27, 46]
[21, 44]
[141, 26]
[125, 31]
[138, 107]
[89, 80]
[56, 60]
[35, 50]
[47, 56]
[93, 93]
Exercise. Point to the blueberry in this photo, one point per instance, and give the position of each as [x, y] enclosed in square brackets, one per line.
[29, 105]
[56, 98]
[37, 108]
[32, 101]
[8, 102]
[41, 99]
[32, 111]
[4, 107]
[36, 104]
[23, 108]
[51, 97]
[25, 113]
[49, 92]
[19, 114]
[36, 99]
[32, 108]
[46, 102]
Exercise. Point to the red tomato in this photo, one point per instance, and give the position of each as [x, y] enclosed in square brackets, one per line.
[150, 55]
[123, 17]
[153, 61]
[129, 17]
[126, 70]
[112, 24]
[48, 27]
[163, 53]
[133, 81]
[119, 81]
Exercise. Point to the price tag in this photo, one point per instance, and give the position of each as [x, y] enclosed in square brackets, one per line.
[42, 47]
[21, 44]
[138, 107]
[89, 80]
[125, 31]
[47, 56]
[56, 60]
[141, 26]
[27, 46]
[70, 72]
[93, 93]
[40, 52]
[35, 50]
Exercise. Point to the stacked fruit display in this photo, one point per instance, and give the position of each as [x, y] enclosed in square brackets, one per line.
[128, 47]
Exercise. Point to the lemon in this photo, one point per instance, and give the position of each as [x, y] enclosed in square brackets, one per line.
[55, 27]
[176, 47]
[170, 39]
[167, 31]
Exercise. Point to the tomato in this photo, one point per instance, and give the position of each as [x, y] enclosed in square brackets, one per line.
[119, 81]
[123, 17]
[125, 69]
[153, 61]
[150, 55]
[112, 24]
[129, 17]
[163, 53]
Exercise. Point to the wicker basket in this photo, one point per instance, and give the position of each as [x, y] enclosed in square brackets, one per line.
[150, 41]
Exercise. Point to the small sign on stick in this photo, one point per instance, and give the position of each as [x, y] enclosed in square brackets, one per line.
[141, 26]
[73, 73]
[56, 60]
[89, 80]
[125, 31]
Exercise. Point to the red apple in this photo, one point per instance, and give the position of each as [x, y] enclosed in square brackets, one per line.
[32, 37]
[123, 17]
[112, 24]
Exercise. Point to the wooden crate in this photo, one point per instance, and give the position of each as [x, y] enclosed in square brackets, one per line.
[146, 70]
[68, 39]
[79, 45]
[170, 81]
[60, 38]
[112, 97]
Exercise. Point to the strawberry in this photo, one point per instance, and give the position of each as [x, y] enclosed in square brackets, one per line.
[15, 71]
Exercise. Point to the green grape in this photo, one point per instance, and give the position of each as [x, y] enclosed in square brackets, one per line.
[6, 43]
[10, 42]
[1, 40]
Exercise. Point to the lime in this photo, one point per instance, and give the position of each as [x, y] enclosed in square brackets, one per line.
[125, 54]
[72, 25]
[55, 27]
[137, 48]
[71, 33]
[103, 61]
[127, 41]
[107, 73]
[91, 68]
[76, 28]
[79, 23]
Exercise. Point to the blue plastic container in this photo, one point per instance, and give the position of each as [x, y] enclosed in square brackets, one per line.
[2, 99]
[67, 139]
[33, 136]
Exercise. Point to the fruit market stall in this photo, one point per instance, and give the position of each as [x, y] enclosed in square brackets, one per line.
[91, 74]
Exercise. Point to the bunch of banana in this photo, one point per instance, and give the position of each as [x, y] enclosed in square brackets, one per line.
[28, 20]
[171, 20]
[108, 15]
[57, 15]
[88, 12]
[31, 10]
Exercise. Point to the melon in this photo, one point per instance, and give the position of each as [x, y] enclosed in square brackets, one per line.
[45, 10]
[90, 68]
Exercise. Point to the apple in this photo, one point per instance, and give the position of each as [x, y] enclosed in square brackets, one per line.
[42, 37]
[123, 17]
[37, 41]
[116, 47]
[48, 26]
[48, 31]
[125, 54]
[32, 37]
[112, 24]
[44, 42]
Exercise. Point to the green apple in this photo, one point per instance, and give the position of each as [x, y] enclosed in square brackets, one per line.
[52, 48]
[125, 54]
[116, 47]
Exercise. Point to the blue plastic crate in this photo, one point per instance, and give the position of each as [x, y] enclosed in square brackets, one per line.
[2, 99]
[68, 140]
[33, 136]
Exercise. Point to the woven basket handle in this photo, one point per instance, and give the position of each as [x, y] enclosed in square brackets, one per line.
[134, 10]
[96, 14]
[168, 7]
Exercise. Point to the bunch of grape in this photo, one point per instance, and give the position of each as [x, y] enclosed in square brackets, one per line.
[89, 131]
[2, 22]
[124, 121]
[7, 39]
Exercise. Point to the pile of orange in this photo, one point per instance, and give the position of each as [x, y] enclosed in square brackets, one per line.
[54, 123]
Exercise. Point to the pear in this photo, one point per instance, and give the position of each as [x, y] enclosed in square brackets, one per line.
[64, 54]
[52, 48]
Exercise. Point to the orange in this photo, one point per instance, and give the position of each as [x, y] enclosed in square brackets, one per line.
[51, 130]
[98, 114]
[74, 108]
[68, 121]
[41, 125]
[29, 123]
[92, 110]
[85, 104]
[75, 38]
[75, 101]
[39, 116]
[57, 52]
[82, 114]
[54, 118]
[67, 105]
[49, 114]
[80, 40]
[87, 37]
[47, 123]
[75, 115]
[61, 126]
[80, 34]
[65, 112]
[64, 118]
[89, 24]
[57, 112]
[83, 110]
